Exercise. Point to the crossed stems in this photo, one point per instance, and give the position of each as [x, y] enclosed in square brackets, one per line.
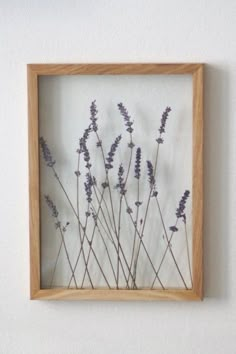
[83, 228]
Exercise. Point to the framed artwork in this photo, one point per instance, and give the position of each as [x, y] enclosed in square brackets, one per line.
[115, 181]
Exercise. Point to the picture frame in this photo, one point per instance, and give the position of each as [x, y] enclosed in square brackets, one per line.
[35, 93]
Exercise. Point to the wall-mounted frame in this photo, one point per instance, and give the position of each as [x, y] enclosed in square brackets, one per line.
[115, 174]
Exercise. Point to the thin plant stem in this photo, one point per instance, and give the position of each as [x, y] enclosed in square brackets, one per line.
[170, 249]
[188, 255]
[74, 211]
[148, 203]
[118, 239]
[109, 187]
[145, 249]
[67, 254]
[164, 255]
[135, 232]
[106, 206]
[79, 226]
[108, 255]
[55, 266]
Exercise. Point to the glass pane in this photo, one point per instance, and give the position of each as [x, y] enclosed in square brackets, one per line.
[116, 206]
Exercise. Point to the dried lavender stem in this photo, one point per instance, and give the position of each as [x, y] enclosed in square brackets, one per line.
[111, 201]
[109, 187]
[99, 208]
[145, 249]
[79, 226]
[164, 255]
[118, 240]
[170, 249]
[148, 203]
[187, 246]
[61, 185]
[55, 266]
[106, 206]
[110, 261]
[86, 263]
[135, 232]
[67, 254]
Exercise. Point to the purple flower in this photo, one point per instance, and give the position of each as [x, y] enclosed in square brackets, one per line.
[129, 210]
[111, 153]
[137, 168]
[51, 206]
[151, 174]
[105, 185]
[182, 204]
[46, 152]
[173, 228]
[77, 173]
[164, 119]
[93, 117]
[88, 187]
[131, 145]
[160, 140]
[83, 140]
[154, 194]
[126, 117]
[138, 204]
[121, 184]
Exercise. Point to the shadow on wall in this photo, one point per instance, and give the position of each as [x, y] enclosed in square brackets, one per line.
[216, 182]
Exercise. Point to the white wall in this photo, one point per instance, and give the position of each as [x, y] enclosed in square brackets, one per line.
[119, 31]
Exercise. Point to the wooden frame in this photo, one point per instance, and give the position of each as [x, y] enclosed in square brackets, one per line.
[36, 70]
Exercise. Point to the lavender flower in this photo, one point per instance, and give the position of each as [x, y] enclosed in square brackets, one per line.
[137, 168]
[163, 124]
[126, 117]
[87, 157]
[51, 206]
[180, 210]
[138, 204]
[129, 210]
[83, 140]
[93, 118]
[151, 174]
[46, 152]
[105, 185]
[173, 228]
[121, 184]
[164, 119]
[131, 145]
[88, 187]
[111, 153]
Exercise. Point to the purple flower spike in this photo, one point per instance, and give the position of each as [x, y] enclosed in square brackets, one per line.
[126, 117]
[173, 228]
[111, 153]
[137, 168]
[83, 140]
[88, 187]
[46, 152]
[51, 206]
[164, 119]
[93, 117]
[151, 174]
[163, 124]
[182, 204]
[121, 184]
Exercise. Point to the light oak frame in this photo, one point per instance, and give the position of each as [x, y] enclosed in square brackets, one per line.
[36, 70]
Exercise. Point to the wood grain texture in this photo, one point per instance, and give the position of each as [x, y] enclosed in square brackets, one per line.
[198, 181]
[112, 295]
[33, 182]
[113, 69]
[196, 70]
